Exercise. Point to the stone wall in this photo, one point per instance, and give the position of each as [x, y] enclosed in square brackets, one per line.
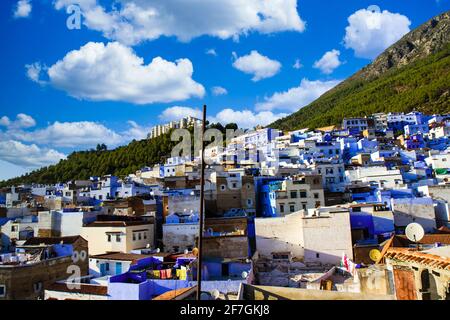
[231, 247]
[28, 282]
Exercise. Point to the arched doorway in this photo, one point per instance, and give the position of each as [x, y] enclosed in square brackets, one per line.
[429, 286]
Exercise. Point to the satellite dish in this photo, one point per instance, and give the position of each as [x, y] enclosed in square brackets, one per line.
[375, 255]
[244, 275]
[158, 250]
[215, 294]
[414, 232]
[186, 251]
[148, 245]
[205, 296]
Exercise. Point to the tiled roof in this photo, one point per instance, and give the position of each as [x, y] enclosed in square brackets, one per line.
[427, 239]
[117, 223]
[444, 230]
[120, 256]
[35, 241]
[409, 255]
[83, 289]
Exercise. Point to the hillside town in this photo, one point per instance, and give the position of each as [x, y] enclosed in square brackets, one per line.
[317, 214]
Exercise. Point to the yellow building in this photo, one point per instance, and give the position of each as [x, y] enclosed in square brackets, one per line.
[118, 236]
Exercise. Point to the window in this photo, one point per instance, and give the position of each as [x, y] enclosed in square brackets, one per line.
[107, 266]
[293, 194]
[13, 228]
[304, 205]
[303, 194]
[249, 202]
[234, 185]
[37, 287]
[316, 196]
[292, 208]
[109, 237]
[317, 255]
[140, 236]
[145, 235]
[2, 290]
[118, 238]
[222, 187]
[282, 208]
[134, 236]
[100, 197]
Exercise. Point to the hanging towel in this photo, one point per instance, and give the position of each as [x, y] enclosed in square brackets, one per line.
[163, 274]
[156, 274]
[169, 273]
[183, 274]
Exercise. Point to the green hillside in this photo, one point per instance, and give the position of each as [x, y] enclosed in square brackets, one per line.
[423, 86]
[121, 161]
[413, 74]
[84, 164]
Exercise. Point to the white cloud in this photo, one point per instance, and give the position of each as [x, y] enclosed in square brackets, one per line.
[259, 66]
[28, 156]
[70, 134]
[22, 121]
[135, 132]
[177, 112]
[219, 91]
[211, 52]
[297, 97]
[28, 148]
[23, 9]
[328, 62]
[134, 21]
[297, 65]
[4, 121]
[370, 32]
[34, 72]
[243, 118]
[113, 72]
[246, 118]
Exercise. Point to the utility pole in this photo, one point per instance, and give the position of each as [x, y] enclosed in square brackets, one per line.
[202, 208]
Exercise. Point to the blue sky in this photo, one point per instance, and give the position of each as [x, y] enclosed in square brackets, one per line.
[109, 89]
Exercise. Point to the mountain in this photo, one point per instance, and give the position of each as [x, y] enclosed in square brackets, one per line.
[412, 74]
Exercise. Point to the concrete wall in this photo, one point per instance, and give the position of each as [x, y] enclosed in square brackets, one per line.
[59, 295]
[249, 292]
[373, 280]
[420, 210]
[320, 239]
[281, 234]
[326, 238]
[182, 235]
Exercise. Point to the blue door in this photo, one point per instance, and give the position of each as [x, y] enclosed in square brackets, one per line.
[103, 269]
[118, 267]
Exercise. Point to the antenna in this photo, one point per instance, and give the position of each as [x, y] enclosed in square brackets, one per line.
[414, 232]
